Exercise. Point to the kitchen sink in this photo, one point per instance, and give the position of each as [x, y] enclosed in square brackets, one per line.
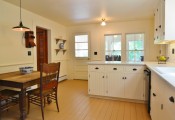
[165, 70]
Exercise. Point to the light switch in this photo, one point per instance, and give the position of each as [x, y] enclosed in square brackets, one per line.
[29, 53]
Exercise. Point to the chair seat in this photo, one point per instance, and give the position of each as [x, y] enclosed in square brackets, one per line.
[8, 98]
[6, 93]
[36, 92]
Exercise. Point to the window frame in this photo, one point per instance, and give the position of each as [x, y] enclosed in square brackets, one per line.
[127, 50]
[114, 50]
[82, 42]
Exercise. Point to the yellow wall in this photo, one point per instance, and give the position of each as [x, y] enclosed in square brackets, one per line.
[13, 52]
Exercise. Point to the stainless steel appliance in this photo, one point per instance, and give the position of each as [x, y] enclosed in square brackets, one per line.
[148, 88]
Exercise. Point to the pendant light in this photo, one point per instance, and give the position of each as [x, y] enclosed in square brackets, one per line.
[20, 27]
[103, 23]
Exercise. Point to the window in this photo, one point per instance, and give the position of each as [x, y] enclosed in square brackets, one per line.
[81, 46]
[135, 47]
[113, 47]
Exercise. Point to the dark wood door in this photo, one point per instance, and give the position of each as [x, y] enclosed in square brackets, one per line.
[42, 46]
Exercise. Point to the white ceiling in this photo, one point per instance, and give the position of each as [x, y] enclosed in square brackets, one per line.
[75, 12]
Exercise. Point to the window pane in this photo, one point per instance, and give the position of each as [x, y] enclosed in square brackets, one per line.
[139, 45]
[135, 47]
[135, 56]
[81, 45]
[81, 53]
[81, 38]
[113, 47]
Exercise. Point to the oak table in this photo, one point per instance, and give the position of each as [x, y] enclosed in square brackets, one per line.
[22, 82]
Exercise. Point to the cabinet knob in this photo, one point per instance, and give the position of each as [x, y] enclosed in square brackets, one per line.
[160, 26]
[114, 68]
[154, 94]
[171, 99]
[156, 29]
[134, 69]
[96, 68]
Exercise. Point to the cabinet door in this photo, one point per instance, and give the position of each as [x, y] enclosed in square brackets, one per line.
[115, 84]
[158, 106]
[134, 86]
[96, 83]
[169, 105]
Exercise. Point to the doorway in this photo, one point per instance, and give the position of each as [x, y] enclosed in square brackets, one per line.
[42, 46]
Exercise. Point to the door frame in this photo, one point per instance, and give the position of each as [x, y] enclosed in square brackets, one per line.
[48, 46]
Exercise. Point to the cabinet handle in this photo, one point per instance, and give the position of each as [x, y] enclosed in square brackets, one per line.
[125, 77]
[134, 69]
[96, 68]
[156, 29]
[171, 99]
[114, 68]
[154, 94]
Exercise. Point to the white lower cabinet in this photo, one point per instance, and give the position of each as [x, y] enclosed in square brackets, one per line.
[162, 97]
[122, 81]
[97, 84]
[116, 84]
[134, 86]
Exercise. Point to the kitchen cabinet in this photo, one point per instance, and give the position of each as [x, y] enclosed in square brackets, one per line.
[61, 43]
[162, 97]
[97, 80]
[164, 24]
[122, 81]
[115, 78]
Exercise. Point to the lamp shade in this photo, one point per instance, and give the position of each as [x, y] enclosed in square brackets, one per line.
[20, 27]
[103, 23]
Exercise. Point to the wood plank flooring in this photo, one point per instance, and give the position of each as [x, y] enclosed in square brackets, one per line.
[75, 104]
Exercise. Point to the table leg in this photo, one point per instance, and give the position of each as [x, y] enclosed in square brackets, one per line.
[22, 104]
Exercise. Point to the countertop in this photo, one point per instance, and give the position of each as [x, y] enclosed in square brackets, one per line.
[168, 77]
[115, 63]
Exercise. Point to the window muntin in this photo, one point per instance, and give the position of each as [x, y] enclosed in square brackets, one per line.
[81, 46]
[113, 47]
[135, 47]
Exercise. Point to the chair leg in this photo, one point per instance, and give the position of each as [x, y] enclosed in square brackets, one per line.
[28, 104]
[42, 108]
[57, 101]
[0, 109]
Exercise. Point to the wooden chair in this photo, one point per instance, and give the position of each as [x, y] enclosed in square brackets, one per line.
[47, 90]
[8, 99]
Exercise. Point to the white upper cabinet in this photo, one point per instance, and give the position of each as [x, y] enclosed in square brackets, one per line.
[164, 25]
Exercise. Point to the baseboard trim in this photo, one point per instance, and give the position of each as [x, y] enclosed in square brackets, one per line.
[119, 99]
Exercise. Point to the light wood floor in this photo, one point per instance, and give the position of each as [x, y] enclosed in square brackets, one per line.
[75, 104]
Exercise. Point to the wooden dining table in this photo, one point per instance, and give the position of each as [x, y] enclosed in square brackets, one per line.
[22, 82]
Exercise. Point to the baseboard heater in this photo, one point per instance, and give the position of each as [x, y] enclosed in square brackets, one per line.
[63, 77]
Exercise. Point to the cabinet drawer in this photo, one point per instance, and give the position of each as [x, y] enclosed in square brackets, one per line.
[114, 68]
[134, 69]
[96, 68]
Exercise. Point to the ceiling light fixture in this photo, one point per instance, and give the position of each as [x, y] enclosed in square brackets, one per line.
[103, 23]
[20, 27]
